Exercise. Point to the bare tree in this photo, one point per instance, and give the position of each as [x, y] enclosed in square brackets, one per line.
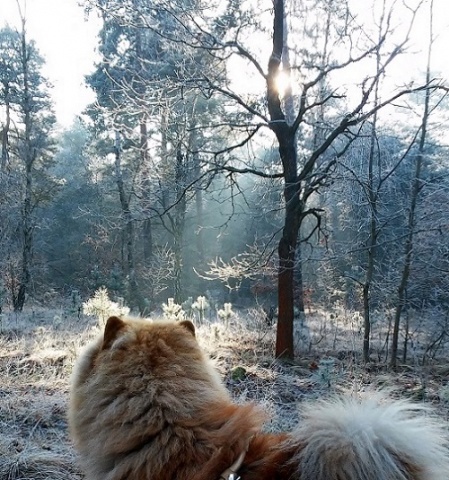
[301, 181]
[415, 190]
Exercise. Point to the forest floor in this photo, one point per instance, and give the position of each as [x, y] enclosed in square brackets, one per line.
[38, 349]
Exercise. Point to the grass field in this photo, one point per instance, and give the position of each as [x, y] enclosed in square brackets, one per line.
[38, 348]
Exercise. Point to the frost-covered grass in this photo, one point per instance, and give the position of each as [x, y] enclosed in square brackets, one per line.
[38, 348]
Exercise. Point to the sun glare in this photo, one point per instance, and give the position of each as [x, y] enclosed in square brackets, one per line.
[283, 82]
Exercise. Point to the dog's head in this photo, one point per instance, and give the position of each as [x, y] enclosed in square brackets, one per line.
[148, 358]
[144, 344]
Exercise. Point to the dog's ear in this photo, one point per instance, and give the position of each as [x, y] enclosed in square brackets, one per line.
[189, 326]
[113, 327]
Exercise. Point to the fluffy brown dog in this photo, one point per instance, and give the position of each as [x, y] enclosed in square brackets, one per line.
[146, 404]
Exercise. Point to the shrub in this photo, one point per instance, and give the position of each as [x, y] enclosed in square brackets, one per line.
[173, 311]
[102, 307]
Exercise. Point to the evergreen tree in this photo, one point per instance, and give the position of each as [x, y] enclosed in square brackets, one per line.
[27, 151]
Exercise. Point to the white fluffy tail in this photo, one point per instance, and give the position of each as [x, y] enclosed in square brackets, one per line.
[370, 439]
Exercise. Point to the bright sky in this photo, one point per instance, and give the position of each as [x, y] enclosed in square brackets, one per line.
[67, 42]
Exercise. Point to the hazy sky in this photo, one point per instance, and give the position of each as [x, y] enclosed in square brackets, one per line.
[66, 41]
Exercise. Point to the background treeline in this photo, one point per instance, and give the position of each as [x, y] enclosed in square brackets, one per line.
[174, 185]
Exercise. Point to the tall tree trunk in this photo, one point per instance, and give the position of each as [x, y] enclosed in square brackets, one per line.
[135, 298]
[372, 242]
[414, 193]
[299, 282]
[179, 223]
[287, 246]
[199, 210]
[27, 245]
[5, 131]
[408, 247]
[29, 154]
[373, 195]
[286, 137]
[147, 227]
[146, 194]
[147, 230]
[289, 108]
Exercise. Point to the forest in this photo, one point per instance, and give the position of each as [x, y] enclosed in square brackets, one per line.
[276, 155]
[273, 171]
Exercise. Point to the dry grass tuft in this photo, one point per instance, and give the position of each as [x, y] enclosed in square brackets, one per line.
[35, 465]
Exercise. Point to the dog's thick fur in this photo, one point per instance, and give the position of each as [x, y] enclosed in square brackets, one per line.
[146, 404]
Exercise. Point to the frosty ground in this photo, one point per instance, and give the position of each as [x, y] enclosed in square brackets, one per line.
[38, 348]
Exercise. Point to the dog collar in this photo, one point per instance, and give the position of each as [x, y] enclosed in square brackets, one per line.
[231, 472]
